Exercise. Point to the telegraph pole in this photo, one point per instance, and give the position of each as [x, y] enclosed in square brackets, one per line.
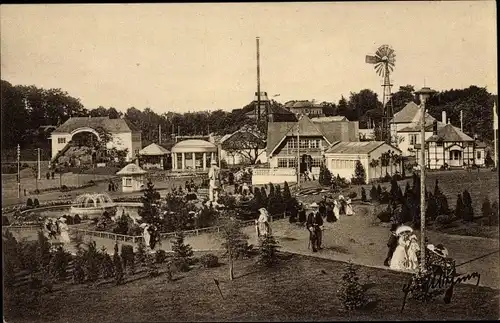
[495, 131]
[298, 158]
[18, 171]
[159, 134]
[424, 94]
[39, 170]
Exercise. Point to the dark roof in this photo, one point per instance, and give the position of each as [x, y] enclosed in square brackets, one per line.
[361, 147]
[408, 114]
[428, 126]
[302, 104]
[111, 125]
[449, 133]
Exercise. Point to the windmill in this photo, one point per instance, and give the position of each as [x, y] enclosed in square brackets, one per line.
[383, 62]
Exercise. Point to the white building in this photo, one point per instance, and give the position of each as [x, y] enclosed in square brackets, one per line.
[193, 155]
[153, 156]
[123, 134]
[132, 178]
[341, 158]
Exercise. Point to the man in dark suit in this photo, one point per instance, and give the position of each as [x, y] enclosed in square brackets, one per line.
[392, 244]
[315, 224]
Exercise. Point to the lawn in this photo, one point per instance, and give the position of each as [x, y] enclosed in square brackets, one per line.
[300, 288]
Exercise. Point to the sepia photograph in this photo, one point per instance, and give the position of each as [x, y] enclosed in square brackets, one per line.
[230, 162]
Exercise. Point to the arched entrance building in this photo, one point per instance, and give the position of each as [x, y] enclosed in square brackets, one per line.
[193, 155]
[123, 134]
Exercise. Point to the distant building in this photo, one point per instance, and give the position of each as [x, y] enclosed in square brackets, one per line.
[123, 134]
[304, 107]
[154, 156]
[132, 178]
[315, 138]
[193, 155]
[274, 112]
[341, 158]
[448, 145]
[241, 145]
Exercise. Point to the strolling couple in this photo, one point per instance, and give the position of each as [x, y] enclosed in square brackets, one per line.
[403, 249]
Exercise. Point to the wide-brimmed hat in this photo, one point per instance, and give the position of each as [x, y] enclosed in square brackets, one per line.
[143, 225]
[62, 219]
[213, 162]
[439, 250]
[313, 205]
[403, 229]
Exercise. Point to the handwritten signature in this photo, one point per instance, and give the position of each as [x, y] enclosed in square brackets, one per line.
[437, 281]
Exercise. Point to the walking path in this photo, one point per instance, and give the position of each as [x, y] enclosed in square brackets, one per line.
[356, 239]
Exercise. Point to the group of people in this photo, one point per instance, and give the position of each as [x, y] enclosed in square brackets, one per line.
[151, 235]
[56, 229]
[403, 249]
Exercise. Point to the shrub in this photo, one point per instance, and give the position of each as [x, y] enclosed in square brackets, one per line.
[107, 265]
[127, 254]
[64, 188]
[29, 202]
[359, 174]
[140, 255]
[77, 219]
[209, 260]
[151, 263]
[486, 208]
[36, 203]
[363, 194]
[268, 251]
[182, 252]
[384, 216]
[117, 261]
[351, 294]
[60, 263]
[352, 195]
[92, 262]
[160, 256]
[374, 194]
[325, 176]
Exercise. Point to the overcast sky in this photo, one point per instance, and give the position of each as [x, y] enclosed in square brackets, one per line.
[187, 57]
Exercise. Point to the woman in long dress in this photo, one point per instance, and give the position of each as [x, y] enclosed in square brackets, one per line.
[399, 260]
[262, 224]
[412, 253]
[146, 235]
[348, 207]
[336, 210]
[63, 231]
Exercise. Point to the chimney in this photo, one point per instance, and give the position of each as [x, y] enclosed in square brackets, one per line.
[443, 117]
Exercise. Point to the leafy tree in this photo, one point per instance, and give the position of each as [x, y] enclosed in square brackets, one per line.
[342, 107]
[183, 253]
[233, 242]
[268, 251]
[360, 103]
[149, 211]
[359, 174]
[403, 96]
[374, 164]
[325, 176]
[247, 144]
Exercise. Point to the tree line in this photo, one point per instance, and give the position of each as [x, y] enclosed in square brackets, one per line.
[27, 108]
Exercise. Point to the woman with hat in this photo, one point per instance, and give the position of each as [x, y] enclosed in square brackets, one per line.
[262, 226]
[400, 260]
[63, 231]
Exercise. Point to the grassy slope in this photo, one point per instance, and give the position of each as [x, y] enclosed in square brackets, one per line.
[296, 290]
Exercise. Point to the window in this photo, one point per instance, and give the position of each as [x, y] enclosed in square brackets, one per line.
[282, 162]
[304, 143]
[128, 182]
[413, 139]
[61, 140]
[292, 143]
[292, 163]
[478, 154]
[316, 162]
[314, 143]
[179, 161]
[439, 143]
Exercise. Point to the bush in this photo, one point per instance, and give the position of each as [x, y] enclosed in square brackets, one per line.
[36, 203]
[140, 255]
[268, 251]
[60, 263]
[76, 219]
[92, 258]
[127, 254]
[384, 216]
[182, 252]
[29, 202]
[107, 265]
[374, 194]
[64, 188]
[363, 194]
[359, 174]
[209, 260]
[160, 256]
[352, 195]
[118, 266]
[351, 294]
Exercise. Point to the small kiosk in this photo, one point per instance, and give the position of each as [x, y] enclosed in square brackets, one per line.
[132, 178]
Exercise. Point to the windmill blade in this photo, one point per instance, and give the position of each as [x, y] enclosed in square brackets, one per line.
[371, 59]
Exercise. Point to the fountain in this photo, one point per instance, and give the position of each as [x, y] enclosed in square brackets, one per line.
[92, 205]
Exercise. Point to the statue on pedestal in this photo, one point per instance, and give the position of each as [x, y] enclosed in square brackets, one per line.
[214, 182]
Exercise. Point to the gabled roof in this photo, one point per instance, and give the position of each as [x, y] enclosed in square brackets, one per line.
[410, 113]
[428, 126]
[329, 119]
[302, 104]
[131, 169]
[154, 150]
[361, 147]
[278, 131]
[242, 139]
[110, 125]
[449, 133]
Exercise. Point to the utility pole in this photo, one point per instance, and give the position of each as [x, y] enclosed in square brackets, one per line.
[18, 171]
[258, 81]
[424, 94]
[298, 157]
[39, 169]
[495, 130]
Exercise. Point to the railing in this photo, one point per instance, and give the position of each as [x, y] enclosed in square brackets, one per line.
[274, 172]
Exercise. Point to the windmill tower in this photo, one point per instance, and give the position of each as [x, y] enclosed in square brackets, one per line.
[384, 61]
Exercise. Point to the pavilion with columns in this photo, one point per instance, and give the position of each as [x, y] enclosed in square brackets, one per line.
[193, 155]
